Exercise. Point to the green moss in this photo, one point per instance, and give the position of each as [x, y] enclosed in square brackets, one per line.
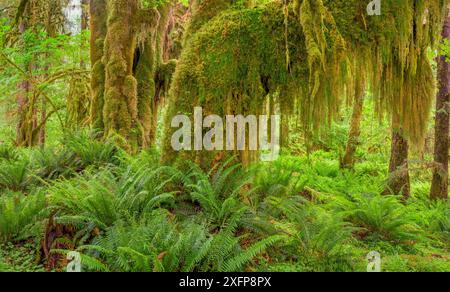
[98, 30]
[145, 71]
[78, 101]
[97, 95]
[120, 107]
[394, 47]
[225, 61]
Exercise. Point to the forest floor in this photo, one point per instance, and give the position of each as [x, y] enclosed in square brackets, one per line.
[130, 213]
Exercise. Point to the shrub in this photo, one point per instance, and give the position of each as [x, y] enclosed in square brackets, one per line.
[218, 193]
[19, 214]
[89, 151]
[158, 244]
[9, 153]
[383, 217]
[14, 175]
[319, 237]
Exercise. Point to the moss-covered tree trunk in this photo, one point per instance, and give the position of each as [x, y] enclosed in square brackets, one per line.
[120, 107]
[127, 59]
[51, 32]
[98, 18]
[355, 127]
[145, 72]
[25, 122]
[439, 185]
[43, 126]
[399, 180]
[147, 63]
[78, 100]
[284, 136]
[26, 133]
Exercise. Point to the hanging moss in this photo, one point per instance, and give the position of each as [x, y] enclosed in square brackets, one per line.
[78, 101]
[226, 60]
[145, 71]
[396, 45]
[327, 61]
[222, 67]
[150, 72]
[203, 11]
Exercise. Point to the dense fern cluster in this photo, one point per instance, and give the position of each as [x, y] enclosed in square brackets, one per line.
[130, 213]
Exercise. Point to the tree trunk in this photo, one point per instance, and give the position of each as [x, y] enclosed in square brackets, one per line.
[22, 103]
[355, 127]
[78, 101]
[42, 129]
[148, 59]
[50, 29]
[84, 14]
[145, 72]
[84, 26]
[26, 135]
[399, 182]
[439, 185]
[284, 130]
[98, 17]
[120, 113]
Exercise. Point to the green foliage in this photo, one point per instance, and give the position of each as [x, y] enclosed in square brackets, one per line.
[21, 216]
[384, 217]
[318, 236]
[22, 258]
[158, 244]
[52, 163]
[87, 201]
[9, 153]
[218, 192]
[127, 212]
[90, 151]
[405, 263]
[14, 175]
[433, 216]
[56, 61]
[445, 49]
[98, 199]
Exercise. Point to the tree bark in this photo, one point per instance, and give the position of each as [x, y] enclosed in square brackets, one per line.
[284, 130]
[50, 29]
[145, 72]
[355, 127]
[399, 180]
[78, 100]
[148, 61]
[84, 14]
[26, 135]
[43, 118]
[120, 112]
[97, 20]
[439, 185]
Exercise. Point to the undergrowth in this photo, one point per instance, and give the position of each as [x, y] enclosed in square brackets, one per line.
[130, 213]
